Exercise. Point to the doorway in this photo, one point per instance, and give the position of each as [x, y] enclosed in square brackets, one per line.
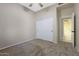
[67, 28]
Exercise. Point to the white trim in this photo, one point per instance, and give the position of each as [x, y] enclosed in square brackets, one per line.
[14, 44]
[64, 17]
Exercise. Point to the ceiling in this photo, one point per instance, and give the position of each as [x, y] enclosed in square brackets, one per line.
[37, 6]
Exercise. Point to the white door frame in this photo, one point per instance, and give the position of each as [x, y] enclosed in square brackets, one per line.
[72, 17]
[60, 27]
[63, 24]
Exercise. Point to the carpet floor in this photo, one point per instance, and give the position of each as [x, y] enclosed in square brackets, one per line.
[40, 47]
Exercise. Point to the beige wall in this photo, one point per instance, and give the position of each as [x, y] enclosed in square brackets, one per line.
[50, 12]
[76, 7]
[16, 25]
[64, 12]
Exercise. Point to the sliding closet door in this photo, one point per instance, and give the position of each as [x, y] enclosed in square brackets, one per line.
[44, 29]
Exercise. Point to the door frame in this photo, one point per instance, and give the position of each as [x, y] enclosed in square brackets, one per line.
[61, 21]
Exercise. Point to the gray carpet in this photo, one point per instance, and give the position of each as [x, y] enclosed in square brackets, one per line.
[40, 47]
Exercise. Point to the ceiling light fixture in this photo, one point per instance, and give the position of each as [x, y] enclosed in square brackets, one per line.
[40, 4]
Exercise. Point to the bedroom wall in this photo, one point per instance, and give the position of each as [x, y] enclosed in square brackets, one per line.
[76, 8]
[64, 12]
[16, 25]
[47, 13]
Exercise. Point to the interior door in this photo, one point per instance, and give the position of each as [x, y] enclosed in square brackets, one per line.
[73, 30]
[44, 28]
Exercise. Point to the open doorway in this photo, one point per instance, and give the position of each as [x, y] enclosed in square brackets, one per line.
[66, 24]
[67, 28]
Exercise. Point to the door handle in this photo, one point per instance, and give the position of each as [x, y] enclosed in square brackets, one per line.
[73, 31]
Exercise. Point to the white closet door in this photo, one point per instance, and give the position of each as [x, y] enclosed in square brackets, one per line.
[44, 28]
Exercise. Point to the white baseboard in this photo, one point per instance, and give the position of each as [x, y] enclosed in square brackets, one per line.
[14, 44]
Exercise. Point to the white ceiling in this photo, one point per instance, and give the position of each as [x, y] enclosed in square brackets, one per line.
[35, 6]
